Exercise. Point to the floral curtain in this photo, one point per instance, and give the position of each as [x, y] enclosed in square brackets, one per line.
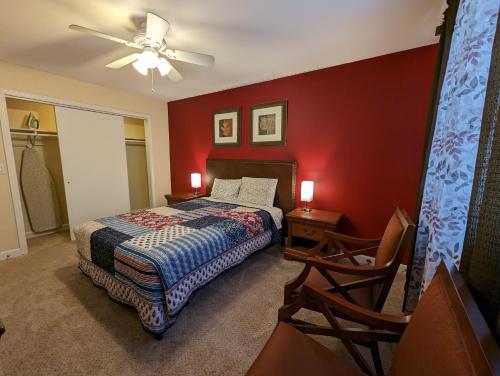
[452, 158]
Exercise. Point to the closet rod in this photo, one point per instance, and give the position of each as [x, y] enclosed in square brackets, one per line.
[135, 142]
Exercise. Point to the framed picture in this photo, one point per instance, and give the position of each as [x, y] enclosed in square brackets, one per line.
[268, 123]
[227, 127]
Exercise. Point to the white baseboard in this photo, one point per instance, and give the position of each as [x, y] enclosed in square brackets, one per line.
[4, 255]
[31, 234]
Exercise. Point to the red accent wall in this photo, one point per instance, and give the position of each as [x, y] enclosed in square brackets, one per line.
[356, 129]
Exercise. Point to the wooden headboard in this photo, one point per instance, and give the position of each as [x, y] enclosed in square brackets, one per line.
[284, 171]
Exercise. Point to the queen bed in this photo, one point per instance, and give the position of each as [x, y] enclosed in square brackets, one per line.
[154, 259]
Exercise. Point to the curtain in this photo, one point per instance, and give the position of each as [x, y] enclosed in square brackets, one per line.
[453, 149]
[480, 263]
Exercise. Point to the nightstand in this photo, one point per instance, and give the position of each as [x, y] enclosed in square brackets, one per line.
[311, 225]
[175, 198]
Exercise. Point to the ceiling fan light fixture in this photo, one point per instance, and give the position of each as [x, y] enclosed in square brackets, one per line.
[140, 67]
[164, 66]
[149, 58]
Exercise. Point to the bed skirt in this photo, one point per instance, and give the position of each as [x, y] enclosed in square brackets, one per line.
[157, 317]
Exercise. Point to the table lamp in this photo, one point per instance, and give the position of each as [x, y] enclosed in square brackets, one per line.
[306, 193]
[196, 182]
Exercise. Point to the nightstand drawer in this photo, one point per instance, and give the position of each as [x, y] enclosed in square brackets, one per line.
[306, 231]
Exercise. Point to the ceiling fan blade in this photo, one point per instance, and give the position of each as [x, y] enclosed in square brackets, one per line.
[102, 35]
[156, 28]
[190, 57]
[120, 63]
[174, 75]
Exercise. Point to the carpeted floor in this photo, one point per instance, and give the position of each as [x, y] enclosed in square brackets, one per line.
[58, 323]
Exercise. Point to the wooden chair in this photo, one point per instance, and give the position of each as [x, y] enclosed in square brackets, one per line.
[446, 335]
[363, 285]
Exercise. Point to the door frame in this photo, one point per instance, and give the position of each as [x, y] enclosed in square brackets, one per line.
[9, 153]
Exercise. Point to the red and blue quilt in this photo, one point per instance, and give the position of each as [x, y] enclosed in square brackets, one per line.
[154, 259]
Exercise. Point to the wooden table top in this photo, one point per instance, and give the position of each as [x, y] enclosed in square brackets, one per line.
[315, 215]
[182, 195]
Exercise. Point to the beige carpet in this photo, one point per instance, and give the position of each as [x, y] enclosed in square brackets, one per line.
[58, 323]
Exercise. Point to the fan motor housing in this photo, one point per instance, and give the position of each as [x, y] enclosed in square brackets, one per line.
[141, 40]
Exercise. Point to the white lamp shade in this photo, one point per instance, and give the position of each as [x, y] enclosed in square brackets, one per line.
[140, 67]
[195, 180]
[306, 191]
[147, 60]
[164, 66]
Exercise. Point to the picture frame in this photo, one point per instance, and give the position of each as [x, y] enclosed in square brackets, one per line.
[268, 123]
[226, 127]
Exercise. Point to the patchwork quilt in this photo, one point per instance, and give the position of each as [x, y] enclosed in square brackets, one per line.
[163, 254]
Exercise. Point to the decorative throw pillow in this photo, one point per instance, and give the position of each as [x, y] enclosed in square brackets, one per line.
[225, 189]
[258, 191]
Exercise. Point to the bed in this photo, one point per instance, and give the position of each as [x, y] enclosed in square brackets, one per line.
[154, 259]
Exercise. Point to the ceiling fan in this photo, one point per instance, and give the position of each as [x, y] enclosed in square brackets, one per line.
[150, 39]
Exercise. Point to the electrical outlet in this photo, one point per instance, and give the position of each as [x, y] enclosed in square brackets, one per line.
[3, 169]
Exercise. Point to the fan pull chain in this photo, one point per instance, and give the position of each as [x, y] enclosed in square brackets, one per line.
[152, 81]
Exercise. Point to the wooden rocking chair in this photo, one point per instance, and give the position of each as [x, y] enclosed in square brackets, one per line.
[446, 335]
[363, 285]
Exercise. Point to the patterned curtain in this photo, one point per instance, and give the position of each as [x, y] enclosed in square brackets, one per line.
[452, 157]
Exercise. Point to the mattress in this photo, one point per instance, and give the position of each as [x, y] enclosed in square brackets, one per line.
[154, 259]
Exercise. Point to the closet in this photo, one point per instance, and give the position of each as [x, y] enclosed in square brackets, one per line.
[137, 165]
[75, 165]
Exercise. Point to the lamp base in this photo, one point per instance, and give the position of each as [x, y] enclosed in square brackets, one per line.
[196, 194]
[306, 209]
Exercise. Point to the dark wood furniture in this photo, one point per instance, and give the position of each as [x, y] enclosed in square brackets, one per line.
[174, 198]
[446, 335]
[311, 224]
[363, 285]
[284, 171]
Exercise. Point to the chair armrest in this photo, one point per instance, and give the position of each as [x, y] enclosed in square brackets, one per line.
[351, 239]
[357, 313]
[293, 254]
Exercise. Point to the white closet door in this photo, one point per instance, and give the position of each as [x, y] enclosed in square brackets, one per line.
[94, 163]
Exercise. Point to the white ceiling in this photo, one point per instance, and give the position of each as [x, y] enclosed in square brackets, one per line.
[252, 41]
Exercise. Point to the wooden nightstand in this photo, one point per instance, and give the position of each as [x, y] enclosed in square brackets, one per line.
[311, 225]
[175, 198]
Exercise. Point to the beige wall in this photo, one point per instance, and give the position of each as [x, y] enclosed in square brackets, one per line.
[30, 81]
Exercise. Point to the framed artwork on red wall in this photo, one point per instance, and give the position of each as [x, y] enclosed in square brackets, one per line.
[268, 123]
[227, 127]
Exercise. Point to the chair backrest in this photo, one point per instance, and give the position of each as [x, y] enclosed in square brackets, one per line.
[397, 234]
[447, 334]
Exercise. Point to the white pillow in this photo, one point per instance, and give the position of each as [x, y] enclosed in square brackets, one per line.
[225, 189]
[258, 191]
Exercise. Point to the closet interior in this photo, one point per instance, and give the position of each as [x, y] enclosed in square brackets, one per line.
[44, 185]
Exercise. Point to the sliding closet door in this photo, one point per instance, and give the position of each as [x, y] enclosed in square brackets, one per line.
[94, 164]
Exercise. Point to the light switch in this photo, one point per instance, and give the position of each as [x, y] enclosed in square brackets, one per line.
[3, 168]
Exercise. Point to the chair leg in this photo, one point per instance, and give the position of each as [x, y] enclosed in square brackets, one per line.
[377, 362]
